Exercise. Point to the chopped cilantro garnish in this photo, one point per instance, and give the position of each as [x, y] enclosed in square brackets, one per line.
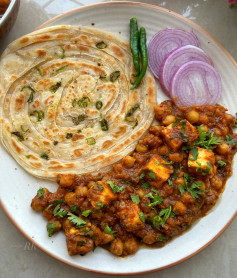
[221, 163]
[141, 176]
[194, 153]
[73, 208]
[135, 199]
[59, 212]
[230, 142]
[99, 204]
[194, 189]
[40, 192]
[51, 228]
[115, 188]
[146, 185]
[108, 230]
[78, 222]
[206, 140]
[86, 212]
[152, 175]
[156, 199]
[142, 216]
[159, 220]
[58, 201]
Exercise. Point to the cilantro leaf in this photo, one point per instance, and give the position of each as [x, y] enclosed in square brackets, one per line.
[206, 140]
[78, 222]
[194, 153]
[182, 188]
[152, 175]
[230, 142]
[86, 212]
[60, 212]
[135, 199]
[115, 188]
[99, 204]
[51, 228]
[73, 208]
[159, 220]
[142, 216]
[146, 185]
[108, 230]
[195, 190]
[156, 199]
[40, 192]
[141, 176]
[221, 163]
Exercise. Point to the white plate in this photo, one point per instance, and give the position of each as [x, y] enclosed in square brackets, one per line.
[17, 187]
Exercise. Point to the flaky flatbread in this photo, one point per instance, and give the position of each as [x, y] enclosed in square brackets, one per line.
[65, 101]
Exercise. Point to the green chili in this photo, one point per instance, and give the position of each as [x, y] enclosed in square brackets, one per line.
[114, 75]
[104, 125]
[144, 57]
[69, 135]
[131, 111]
[83, 102]
[98, 105]
[134, 44]
[38, 114]
[45, 156]
[19, 135]
[54, 87]
[91, 141]
[101, 45]
[32, 91]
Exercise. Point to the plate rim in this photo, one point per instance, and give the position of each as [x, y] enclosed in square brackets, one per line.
[158, 8]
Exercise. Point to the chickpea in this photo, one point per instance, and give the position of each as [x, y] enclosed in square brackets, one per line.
[131, 246]
[164, 150]
[216, 182]
[128, 161]
[180, 208]
[229, 119]
[66, 180]
[193, 116]
[67, 224]
[36, 205]
[91, 184]
[187, 198]
[225, 130]
[140, 192]
[179, 181]
[81, 191]
[169, 120]
[155, 129]
[203, 119]
[141, 148]
[106, 238]
[116, 247]
[70, 198]
[205, 128]
[223, 148]
[176, 157]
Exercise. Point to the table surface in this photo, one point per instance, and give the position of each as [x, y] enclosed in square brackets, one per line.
[19, 257]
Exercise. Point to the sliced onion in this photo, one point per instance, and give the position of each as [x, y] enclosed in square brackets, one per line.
[163, 42]
[175, 59]
[195, 83]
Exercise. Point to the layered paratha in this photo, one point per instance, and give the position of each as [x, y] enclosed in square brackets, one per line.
[65, 101]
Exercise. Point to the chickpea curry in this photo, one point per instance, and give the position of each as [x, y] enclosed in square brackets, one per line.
[174, 176]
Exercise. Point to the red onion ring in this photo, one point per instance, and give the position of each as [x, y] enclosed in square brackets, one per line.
[163, 42]
[175, 59]
[195, 83]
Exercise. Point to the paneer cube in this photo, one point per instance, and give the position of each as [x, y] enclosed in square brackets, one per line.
[201, 160]
[176, 134]
[158, 170]
[129, 217]
[100, 195]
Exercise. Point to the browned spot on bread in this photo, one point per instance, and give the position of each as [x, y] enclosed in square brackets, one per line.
[42, 38]
[53, 162]
[107, 144]
[36, 103]
[56, 167]
[36, 164]
[69, 165]
[41, 53]
[36, 144]
[121, 131]
[33, 157]
[46, 143]
[1, 121]
[83, 48]
[24, 40]
[49, 100]
[124, 106]
[7, 100]
[117, 50]
[77, 137]
[16, 146]
[100, 157]
[151, 91]
[13, 77]
[19, 104]
[60, 36]
[77, 152]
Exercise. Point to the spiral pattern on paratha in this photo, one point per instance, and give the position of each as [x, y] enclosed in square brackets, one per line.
[66, 103]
